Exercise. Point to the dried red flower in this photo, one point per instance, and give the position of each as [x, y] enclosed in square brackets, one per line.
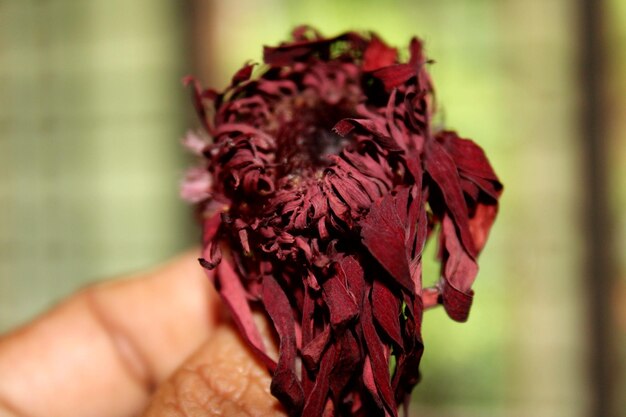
[322, 182]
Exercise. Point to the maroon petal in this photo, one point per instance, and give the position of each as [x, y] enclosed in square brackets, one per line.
[406, 376]
[317, 398]
[467, 156]
[312, 352]
[308, 335]
[459, 267]
[211, 252]
[341, 302]
[285, 384]
[378, 55]
[243, 74]
[234, 295]
[386, 311]
[348, 358]
[459, 271]
[348, 190]
[442, 169]
[456, 303]
[370, 383]
[394, 75]
[350, 269]
[384, 232]
[480, 224]
[380, 363]
[378, 128]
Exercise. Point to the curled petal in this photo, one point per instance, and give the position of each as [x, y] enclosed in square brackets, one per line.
[459, 271]
[322, 180]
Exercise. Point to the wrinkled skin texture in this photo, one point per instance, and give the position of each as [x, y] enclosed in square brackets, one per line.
[157, 344]
[220, 380]
[321, 180]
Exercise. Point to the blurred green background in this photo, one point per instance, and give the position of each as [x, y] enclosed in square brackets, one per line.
[92, 109]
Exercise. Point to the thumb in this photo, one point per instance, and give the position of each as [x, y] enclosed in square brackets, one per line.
[223, 378]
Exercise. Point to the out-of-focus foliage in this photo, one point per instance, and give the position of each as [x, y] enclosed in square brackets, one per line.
[91, 109]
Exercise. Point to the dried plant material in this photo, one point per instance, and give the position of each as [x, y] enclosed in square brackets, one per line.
[322, 180]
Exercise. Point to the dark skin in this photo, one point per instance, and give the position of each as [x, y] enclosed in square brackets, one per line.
[156, 344]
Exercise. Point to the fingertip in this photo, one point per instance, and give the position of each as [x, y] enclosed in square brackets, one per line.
[116, 339]
[223, 378]
[165, 314]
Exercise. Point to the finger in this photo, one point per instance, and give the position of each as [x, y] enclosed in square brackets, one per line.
[222, 379]
[102, 352]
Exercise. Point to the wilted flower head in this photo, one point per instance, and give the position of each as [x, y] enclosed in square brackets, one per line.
[322, 180]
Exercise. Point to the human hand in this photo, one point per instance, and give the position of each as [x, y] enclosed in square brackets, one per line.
[156, 344]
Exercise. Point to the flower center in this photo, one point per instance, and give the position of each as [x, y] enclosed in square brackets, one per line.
[305, 138]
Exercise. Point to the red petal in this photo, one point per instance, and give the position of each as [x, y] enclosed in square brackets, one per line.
[459, 272]
[459, 267]
[394, 75]
[211, 252]
[378, 128]
[384, 232]
[337, 182]
[234, 295]
[468, 156]
[481, 223]
[370, 384]
[317, 399]
[285, 385]
[406, 374]
[308, 334]
[443, 171]
[386, 310]
[417, 52]
[352, 270]
[348, 358]
[378, 55]
[312, 352]
[380, 365]
[242, 75]
[339, 300]
[456, 303]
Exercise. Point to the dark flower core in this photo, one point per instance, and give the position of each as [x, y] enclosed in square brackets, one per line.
[304, 137]
[319, 188]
